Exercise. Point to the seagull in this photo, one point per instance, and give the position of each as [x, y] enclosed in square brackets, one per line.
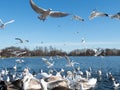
[2, 25]
[19, 60]
[21, 41]
[18, 53]
[97, 51]
[49, 64]
[76, 17]
[43, 13]
[115, 16]
[69, 62]
[83, 42]
[96, 14]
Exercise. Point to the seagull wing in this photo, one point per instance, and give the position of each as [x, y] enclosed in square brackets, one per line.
[1, 21]
[68, 59]
[82, 41]
[36, 8]
[21, 41]
[115, 16]
[96, 14]
[46, 61]
[76, 17]
[11, 21]
[101, 14]
[58, 14]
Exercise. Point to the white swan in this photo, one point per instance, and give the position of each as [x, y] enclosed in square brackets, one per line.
[51, 84]
[30, 82]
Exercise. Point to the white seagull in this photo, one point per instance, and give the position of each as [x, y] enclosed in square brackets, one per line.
[97, 51]
[2, 25]
[43, 13]
[49, 64]
[95, 13]
[76, 17]
[83, 42]
[69, 62]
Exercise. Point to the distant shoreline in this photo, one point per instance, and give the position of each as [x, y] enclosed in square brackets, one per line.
[13, 51]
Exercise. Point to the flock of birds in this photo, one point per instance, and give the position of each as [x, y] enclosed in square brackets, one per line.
[53, 79]
[72, 80]
[43, 14]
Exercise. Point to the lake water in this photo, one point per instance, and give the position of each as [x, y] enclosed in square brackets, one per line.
[106, 64]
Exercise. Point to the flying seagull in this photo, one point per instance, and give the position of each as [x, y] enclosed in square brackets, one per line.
[76, 17]
[21, 41]
[95, 13]
[117, 16]
[83, 41]
[70, 63]
[48, 63]
[2, 25]
[97, 51]
[43, 13]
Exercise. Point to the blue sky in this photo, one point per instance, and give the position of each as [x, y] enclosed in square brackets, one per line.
[100, 32]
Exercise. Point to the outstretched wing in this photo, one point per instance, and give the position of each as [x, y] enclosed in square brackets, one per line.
[58, 14]
[1, 21]
[115, 15]
[67, 59]
[96, 14]
[83, 41]
[36, 8]
[11, 21]
[76, 17]
[46, 61]
[21, 41]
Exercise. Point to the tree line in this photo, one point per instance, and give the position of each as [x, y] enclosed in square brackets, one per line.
[51, 51]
